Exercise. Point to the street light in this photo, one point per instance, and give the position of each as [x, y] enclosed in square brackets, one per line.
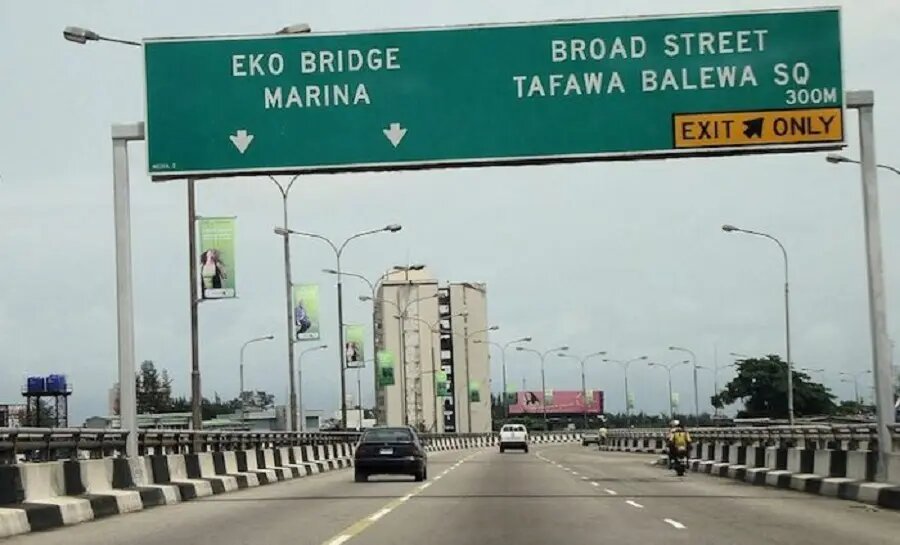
[503, 348]
[854, 378]
[625, 364]
[338, 252]
[739, 355]
[543, 356]
[820, 370]
[82, 36]
[668, 369]
[581, 362]
[787, 313]
[835, 158]
[696, 389]
[402, 314]
[294, 402]
[257, 339]
[299, 28]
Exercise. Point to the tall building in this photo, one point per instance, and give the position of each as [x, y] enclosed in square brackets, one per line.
[428, 331]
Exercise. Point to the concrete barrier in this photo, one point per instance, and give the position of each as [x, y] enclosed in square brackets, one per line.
[247, 461]
[202, 466]
[97, 477]
[152, 493]
[227, 464]
[176, 473]
[44, 485]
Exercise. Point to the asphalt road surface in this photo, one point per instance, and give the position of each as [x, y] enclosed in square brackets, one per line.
[553, 495]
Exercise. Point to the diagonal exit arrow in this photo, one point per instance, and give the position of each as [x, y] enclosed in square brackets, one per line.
[395, 134]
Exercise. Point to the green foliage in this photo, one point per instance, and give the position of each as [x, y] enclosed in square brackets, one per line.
[761, 385]
[154, 389]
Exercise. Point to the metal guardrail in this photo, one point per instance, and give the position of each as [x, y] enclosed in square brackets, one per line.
[43, 444]
[814, 432]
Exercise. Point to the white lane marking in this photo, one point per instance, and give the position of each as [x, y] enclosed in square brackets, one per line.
[584, 478]
[406, 497]
[596, 484]
[343, 538]
[377, 515]
[610, 492]
[424, 486]
[634, 504]
[675, 523]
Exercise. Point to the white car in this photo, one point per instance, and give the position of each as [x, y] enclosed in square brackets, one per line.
[513, 436]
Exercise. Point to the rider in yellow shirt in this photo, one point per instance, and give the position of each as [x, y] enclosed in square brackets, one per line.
[677, 439]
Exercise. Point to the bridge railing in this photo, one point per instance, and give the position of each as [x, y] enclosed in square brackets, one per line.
[44, 444]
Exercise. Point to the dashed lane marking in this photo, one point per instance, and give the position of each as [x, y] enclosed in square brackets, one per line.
[675, 523]
[595, 484]
[634, 504]
[610, 492]
[356, 528]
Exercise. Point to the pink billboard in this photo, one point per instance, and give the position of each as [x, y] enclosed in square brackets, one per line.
[558, 402]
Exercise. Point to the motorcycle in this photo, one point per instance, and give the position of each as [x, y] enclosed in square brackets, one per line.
[680, 462]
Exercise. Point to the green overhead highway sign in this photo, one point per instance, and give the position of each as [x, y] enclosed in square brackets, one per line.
[494, 94]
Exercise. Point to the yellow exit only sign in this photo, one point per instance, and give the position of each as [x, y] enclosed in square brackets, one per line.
[752, 128]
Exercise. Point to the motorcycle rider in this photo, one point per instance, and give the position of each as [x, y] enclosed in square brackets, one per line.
[678, 438]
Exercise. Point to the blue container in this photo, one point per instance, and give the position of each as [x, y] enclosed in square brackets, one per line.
[56, 383]
[35, 385]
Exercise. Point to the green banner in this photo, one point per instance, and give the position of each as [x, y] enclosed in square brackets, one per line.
[442, 386]
[354, 347]
[385, 363]
[474, 392]
[306, 312]
[512, 396]
[216, 267]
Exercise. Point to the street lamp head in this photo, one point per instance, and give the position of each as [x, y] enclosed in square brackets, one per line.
[521, 348]
[494, 328]
[269, 337]
[330, 271]
[281, 231]
[642, 358]
[835, 158]
[79, 35]
[562, 348]
[393, 228]
[729, 228]
[524, 340]
[323, 347]
[365, 298]
[299, 28]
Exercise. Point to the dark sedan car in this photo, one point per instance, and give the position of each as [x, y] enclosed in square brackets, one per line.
[390, 451]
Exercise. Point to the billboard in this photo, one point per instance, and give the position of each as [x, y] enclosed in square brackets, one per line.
[560, 402]
[354, 345]
[306, 312]
[217, 263]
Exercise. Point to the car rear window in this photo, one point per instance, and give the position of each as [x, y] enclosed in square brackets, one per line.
[513, 428]
[388, 435]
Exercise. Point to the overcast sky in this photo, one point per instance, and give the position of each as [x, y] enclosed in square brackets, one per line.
[623, 257]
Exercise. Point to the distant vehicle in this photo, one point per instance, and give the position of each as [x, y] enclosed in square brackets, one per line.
[390, 451]
[590, 438]
[513, 436]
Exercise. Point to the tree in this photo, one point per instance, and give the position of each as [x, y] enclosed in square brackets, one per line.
[154, 390]
[761, 384]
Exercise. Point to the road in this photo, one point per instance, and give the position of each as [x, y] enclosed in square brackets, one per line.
[553, 494]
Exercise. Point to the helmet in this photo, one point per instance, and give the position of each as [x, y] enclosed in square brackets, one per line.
[675, 423]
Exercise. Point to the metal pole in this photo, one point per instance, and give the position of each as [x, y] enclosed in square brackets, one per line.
[864, 102]
[583, 396]
[292, 417]
[299, 402]
[468, 375]
[856, 389]
[340, 303]
[696, 389]
[671, 404]
[787, 334]
[403, 404]
[505, 395]
[121, 135]
[627, 401]
[544, 394]
[434, 380]
[196, 395]
[241, 387]
[359, 398]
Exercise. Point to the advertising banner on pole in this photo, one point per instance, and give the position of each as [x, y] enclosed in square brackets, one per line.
[354, 347]
[385, 362]
[548, 397]
[675, 399]
[217, 265]
[306, 312]
[563, 402]
[589, 397]
[442, 387]
[474, 392]
[511, 394]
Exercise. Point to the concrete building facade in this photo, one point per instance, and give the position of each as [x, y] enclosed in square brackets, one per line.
[428, 329]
